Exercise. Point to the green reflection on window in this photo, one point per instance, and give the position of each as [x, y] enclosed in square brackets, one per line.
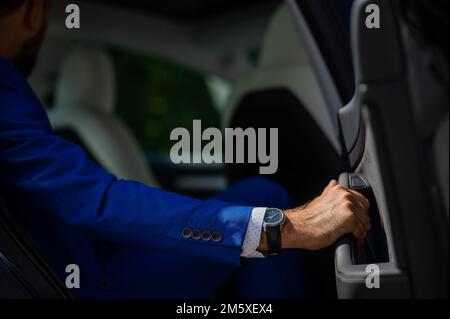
[154, 97]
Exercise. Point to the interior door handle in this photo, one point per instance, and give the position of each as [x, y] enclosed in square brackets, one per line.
[345, 246]
[350, 272]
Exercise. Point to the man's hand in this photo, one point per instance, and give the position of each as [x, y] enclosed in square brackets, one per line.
[336, 212]
[318, 224]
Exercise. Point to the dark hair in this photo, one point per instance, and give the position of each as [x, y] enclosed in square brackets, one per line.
[9, 6]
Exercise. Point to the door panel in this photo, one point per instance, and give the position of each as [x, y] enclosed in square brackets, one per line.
[394, 163]
[24, 274]
[385, 146]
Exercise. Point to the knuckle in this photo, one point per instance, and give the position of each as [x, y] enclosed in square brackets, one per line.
[347, 195]
[348, 204]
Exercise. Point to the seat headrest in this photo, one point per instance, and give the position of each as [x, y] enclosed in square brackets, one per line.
[281, 45]
[87, 80]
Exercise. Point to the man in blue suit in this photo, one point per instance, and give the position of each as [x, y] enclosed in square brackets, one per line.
[131, 240]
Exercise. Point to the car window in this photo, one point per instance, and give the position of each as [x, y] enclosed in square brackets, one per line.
[155, 96]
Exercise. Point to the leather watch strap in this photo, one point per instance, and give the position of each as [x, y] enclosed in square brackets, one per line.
[273, 239]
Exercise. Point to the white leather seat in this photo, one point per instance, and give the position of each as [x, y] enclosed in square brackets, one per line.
[85, 99]
[284, 64]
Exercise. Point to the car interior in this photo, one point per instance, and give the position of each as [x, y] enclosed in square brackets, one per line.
[368, 107]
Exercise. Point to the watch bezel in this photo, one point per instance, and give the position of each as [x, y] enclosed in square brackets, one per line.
[274, 224]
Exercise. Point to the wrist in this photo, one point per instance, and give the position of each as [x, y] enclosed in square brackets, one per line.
[287, 235]
[291, 236]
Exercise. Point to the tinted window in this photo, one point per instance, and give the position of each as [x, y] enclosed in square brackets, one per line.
[155, 96]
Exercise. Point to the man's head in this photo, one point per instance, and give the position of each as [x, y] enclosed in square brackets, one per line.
[22, 28]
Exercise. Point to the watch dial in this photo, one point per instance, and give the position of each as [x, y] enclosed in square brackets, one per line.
[273, 216]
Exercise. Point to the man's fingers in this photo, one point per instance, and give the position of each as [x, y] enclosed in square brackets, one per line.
[360, 209]
[360, 237]
[354, 225]
[329, 186]
[361, 213]
[360, 198]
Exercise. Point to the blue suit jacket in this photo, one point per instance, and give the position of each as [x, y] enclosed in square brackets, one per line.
[78, 213]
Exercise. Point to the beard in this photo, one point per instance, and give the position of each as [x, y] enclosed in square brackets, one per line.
[27, 56]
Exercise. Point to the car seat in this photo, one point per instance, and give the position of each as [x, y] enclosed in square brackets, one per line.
[84, 114]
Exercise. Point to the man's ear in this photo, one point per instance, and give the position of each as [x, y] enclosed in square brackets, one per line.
[34, 17]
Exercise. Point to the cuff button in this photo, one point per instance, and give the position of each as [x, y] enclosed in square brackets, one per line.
[206, 235]
[187, 232]
[216, 236]
[196, 234]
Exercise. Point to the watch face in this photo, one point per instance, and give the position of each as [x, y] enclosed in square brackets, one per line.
[273, 216]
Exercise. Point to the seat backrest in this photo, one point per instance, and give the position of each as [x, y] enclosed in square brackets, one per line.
[284, 64]
[282, 92]
[85, 98]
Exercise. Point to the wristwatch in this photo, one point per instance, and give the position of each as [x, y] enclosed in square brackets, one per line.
[273, 225]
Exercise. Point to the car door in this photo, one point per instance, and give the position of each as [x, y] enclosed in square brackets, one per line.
[24, 273]
[394, 134]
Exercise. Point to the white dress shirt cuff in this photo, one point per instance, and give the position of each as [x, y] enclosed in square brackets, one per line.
[253, 234]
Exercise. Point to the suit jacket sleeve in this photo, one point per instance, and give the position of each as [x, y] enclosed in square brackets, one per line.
[58, 179]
